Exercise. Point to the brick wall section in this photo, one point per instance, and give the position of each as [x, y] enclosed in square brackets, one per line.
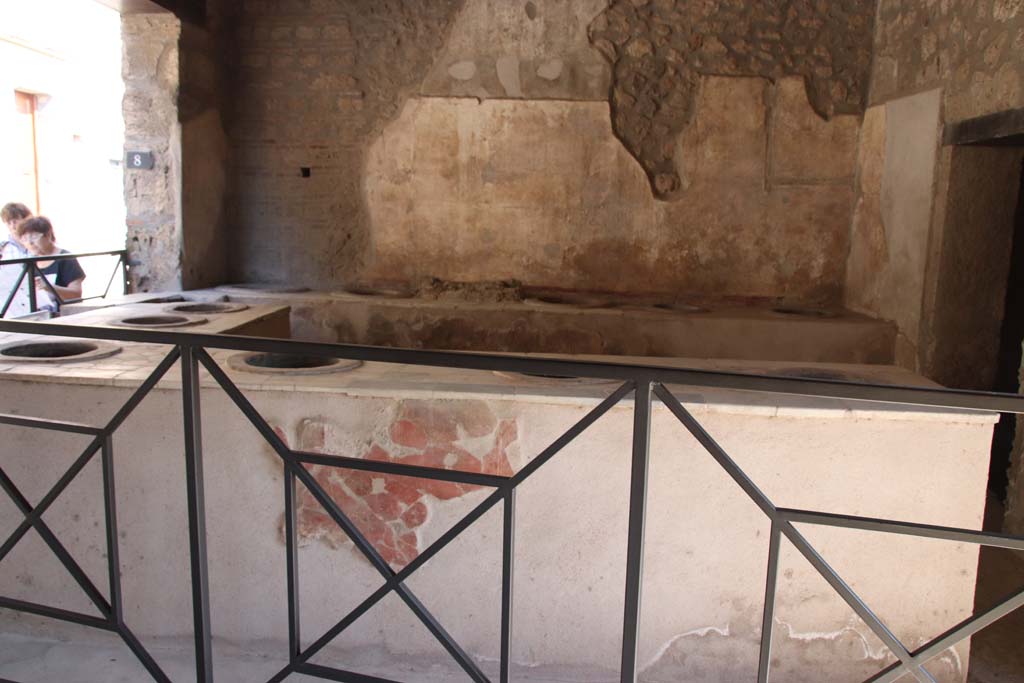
[974, 48]
[150, 70]
[312, 83]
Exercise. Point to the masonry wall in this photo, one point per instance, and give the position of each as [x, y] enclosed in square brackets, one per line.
[173, 102]
[486, 140]
[935, 63]
[151, 74]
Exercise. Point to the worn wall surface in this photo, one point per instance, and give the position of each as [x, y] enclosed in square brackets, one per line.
[312, 85]
[659, 49]
[522, 50]
[505, 162]
[543, 192]
[974, 49]
[204, 157]
[888, 260]
[151, 74]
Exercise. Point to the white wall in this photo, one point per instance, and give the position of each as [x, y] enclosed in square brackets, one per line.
[74, 65]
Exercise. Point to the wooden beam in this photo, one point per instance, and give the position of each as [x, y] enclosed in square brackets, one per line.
[192, 11]
[1005, 128]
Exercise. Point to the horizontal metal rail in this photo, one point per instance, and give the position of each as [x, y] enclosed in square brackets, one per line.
[642, 383]
[31, 270]
[623, 372]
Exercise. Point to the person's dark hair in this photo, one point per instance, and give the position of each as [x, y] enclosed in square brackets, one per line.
[14, 211]
[39, 225]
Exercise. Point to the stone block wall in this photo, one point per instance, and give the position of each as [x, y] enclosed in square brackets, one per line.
[659, 49]
[974, 49]
[172, 108]
[151, 74]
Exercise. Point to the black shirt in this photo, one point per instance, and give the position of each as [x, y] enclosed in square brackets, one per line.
[67, 270]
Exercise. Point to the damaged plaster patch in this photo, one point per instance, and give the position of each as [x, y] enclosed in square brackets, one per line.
[658, 50]
[463, 70]
[508, 75]
[390, 510]
[550, 70]
[695, 633]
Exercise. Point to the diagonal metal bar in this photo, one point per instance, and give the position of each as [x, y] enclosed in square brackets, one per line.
[996, 540]
[768, 618]
[331, 674]
[80, 462]
[53, 425]
[57, 613]
[58, 549]
[133, 401]
[342, 520]
[89, 451]
[14, 292]
[535, 464]
[794, 536]
[965, 629]
[635, 540]
[402, 470]
[113, 274]
[142, 655]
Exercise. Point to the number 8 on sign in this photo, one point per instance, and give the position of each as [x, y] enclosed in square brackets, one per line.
[140, 160]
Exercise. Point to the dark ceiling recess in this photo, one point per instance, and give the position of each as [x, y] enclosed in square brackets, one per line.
[1002, 129]
[192, 11]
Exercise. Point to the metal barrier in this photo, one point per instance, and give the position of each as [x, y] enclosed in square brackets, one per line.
[30, 270]
[643, 383]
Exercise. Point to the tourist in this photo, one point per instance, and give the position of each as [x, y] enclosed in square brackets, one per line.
[65, 276]
[12, 214]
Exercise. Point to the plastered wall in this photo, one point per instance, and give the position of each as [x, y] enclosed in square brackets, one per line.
[321, 92]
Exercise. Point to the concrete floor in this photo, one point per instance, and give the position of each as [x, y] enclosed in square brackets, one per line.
[997, 653]
[36, 660]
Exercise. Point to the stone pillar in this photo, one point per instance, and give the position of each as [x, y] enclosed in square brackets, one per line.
[150, 71]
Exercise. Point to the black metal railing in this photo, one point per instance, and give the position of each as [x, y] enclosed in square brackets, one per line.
[30, 271]
[643, 383]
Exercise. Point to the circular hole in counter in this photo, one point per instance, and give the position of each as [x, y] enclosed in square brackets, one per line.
[382, 292]
[805, 312]
[159, 321]
[207, 307]
[290, 363]
[546, 378]
[815, 373]
[266, 287]
[57, 351]
[680, 307]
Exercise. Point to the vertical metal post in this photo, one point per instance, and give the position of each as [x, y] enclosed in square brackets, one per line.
[113, 556]
[196, 513]
[507, 557]
[292, 549]
[30, 282]
[637, 518]
[123, 259]
[768, 619]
